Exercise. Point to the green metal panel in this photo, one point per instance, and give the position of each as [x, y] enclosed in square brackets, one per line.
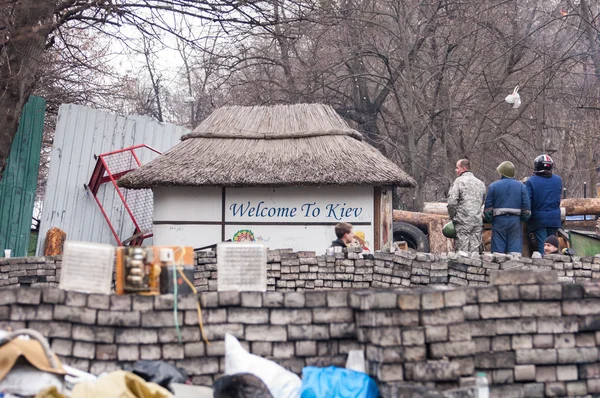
[17, 187]
[584, 245]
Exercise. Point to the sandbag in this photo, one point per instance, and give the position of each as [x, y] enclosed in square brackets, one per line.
[280, 382]
[241, 385]
[159, 372]
[334, 382]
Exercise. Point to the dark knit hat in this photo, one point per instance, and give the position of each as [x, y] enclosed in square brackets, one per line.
[553, 240]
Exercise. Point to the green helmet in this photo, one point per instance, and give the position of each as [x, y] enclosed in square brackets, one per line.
[449, 231]
[506, 169]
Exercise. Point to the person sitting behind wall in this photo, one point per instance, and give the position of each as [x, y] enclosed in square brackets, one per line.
[344, 234]
[551, 245]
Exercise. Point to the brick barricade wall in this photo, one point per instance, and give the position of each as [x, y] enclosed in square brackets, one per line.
[298, 271]
[532, 335]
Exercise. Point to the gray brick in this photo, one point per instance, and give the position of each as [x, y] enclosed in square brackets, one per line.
[379, 300]
[218, 332]
[62, 347]
[99, 367]
[188, 333]
[76, 299]
[522, 277]
[537, 356]
[581, 307]
[545, 373]
[49, 295]
[487, 295]
[455, 298]
[543, 341]
[263, 349]
[42, 312]
[566, 373]
[128, 352]
[106, 352]
[173, 351]
[84, 350]
[310, 332]
[332, 315]
[252, 299]
[414, 336]
[503, 376]
[338, 298]
[229, 299]
[142, 303]
[577, 355]
[593, 386]
[52, 329]
[166, 302]
[195, 349]
[127, 318]
[501, 343]
[534, 390]
[74, 314]
[524, 372]
[199, 366]
[96, 334]
[508, 293]
[390, 372]
[253, 316]
[471, 312]
[209, 300]
[29, 296]
[315, 299]
[409, 301]
[387, 318]
[572, 292]
[585, 340]
[494, 360]
[432, 301]
[522, 342]
[293, 300]
[551, 292]
[266, 333]
[565, 340]
[384, 336]
[99, 301]
[150, 352]
[121, 303]
[292, 316]
[148, 319]
[306, 348]
[273, 300]
[558, 325]
[434, 370]
[540, 309]
[529, 292]
[501, 310]
[344, 330]
[283, 350]
[483, 328]
[452, 349]
[576, 388]
[442, 317]
[435, 334]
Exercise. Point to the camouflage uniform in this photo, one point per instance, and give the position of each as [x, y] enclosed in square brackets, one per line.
[465, 198]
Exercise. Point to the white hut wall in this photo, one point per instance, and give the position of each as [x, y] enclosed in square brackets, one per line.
[300, 218]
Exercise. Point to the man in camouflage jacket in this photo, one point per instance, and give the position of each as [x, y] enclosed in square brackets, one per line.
[465, 198]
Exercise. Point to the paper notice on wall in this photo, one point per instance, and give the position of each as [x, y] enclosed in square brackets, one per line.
[242, 267]
[87, 267]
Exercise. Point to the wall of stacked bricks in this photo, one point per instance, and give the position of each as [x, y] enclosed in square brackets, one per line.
[290, 271]
[532, 335]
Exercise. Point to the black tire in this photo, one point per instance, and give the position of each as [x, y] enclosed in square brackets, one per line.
[413, 236]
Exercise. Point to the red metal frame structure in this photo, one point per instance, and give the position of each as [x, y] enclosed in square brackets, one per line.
[110, 167]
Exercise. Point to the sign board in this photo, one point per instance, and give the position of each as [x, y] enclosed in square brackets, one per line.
[298, 218]
[87, 267]
[241, 267]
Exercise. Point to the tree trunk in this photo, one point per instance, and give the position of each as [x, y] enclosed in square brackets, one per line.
[24, 48]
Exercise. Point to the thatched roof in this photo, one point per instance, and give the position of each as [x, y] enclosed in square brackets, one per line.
[283, 145]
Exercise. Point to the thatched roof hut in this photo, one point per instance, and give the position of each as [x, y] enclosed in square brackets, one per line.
[270, 146]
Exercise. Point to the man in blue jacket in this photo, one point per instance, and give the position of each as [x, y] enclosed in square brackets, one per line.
[506, 205]
[544, 190]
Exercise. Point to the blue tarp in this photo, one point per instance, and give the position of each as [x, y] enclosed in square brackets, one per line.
[333, 382]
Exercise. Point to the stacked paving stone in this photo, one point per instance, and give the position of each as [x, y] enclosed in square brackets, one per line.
[29, 271]
[532, 336]
[299, 271]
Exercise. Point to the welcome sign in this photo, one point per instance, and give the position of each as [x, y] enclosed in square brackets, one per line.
[314, 205]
